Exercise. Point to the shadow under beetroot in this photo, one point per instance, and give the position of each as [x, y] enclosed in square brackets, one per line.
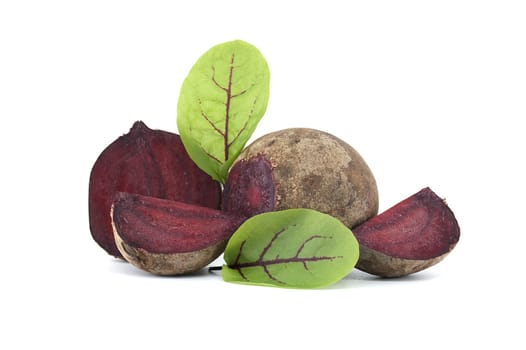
[359, 279]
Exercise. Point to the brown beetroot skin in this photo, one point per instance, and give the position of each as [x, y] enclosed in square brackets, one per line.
[409, 237]
[302, 168]
[148, 162]
[166, 237]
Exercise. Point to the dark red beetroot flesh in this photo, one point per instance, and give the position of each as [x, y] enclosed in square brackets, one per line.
[166, 226]
[148, 162]
[250, 188]
[168, 237]
[410, 236]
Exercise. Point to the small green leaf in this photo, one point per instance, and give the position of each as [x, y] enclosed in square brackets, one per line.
[294, 248]
[221, 101]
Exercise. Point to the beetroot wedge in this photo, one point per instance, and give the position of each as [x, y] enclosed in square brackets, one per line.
[411, 236]
[166, 237]
[148, 162]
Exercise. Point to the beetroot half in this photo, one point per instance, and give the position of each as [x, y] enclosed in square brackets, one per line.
[411, 236]
[148, 162]
[166, 237]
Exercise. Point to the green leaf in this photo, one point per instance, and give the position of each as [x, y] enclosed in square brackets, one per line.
[221, 101]
[295, 248]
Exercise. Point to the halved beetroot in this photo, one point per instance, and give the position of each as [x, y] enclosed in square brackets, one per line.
[148, 162]
[167, 237]
[413, 235]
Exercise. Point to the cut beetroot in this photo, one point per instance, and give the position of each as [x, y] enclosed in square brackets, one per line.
[168, 237]
[414, 234]
[148, 162]
[250, 189]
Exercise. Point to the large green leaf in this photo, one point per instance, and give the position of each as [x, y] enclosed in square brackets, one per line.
[221, 101]
[295, 248]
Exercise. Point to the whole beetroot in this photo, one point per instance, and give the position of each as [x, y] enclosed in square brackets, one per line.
[302, 168]
[147, 162]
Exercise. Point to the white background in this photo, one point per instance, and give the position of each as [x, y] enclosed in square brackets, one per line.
[431, 93]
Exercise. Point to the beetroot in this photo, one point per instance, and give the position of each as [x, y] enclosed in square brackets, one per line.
[411, 236]
[167, 237]
[148, 162]
[302, 168]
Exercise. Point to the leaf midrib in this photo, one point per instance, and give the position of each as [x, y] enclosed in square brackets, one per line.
[263, 263]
